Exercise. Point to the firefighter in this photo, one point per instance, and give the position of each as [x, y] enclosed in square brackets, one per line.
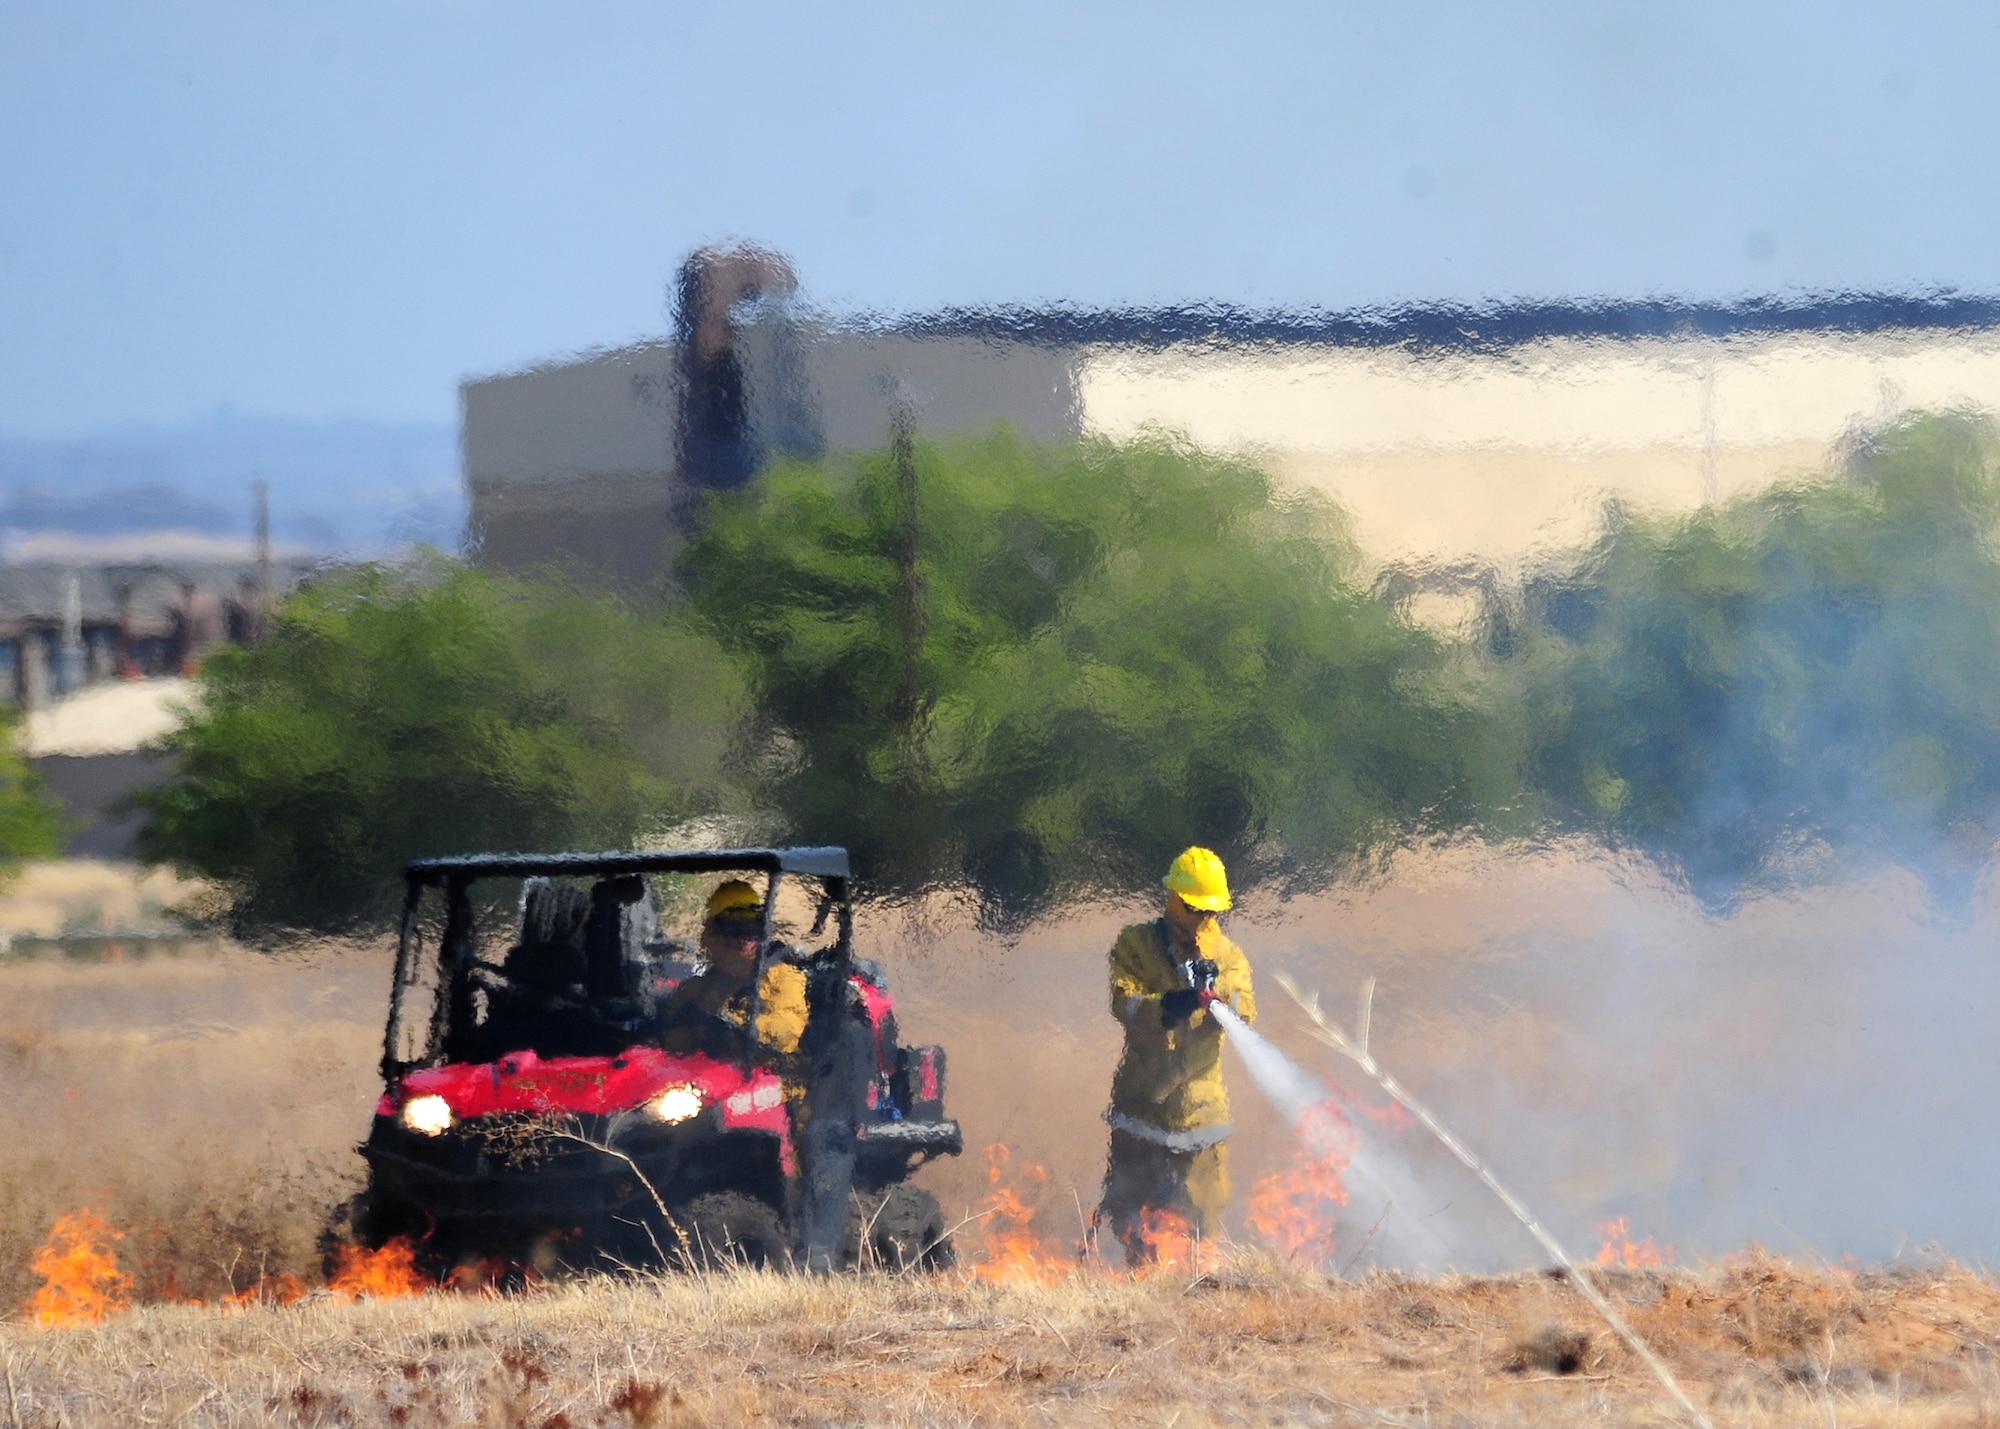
[1169, 1113]
[707, 1013]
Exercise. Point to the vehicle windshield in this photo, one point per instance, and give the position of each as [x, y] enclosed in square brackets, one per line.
[582, 966]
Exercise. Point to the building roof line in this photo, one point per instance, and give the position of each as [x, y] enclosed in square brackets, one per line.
[1445, 327]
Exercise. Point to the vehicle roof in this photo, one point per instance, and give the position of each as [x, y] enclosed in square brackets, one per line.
[821, 862]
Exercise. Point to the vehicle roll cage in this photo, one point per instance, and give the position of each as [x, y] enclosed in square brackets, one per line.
[455, 876]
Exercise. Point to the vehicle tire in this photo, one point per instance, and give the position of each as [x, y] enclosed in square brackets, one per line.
[728, 1228]
[905, 1231]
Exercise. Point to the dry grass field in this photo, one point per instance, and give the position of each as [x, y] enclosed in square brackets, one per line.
[1760, 1343]
[206, 1104]
[203, 1104]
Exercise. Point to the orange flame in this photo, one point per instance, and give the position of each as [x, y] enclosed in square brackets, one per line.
[387, 1274]
[81, 1281]
[1390, 1116]
[1621, 1250]
[82, 1284]
[485, 1275]
[1170, 1243]
[1294, 1211]
[279, 1289]
[1012, 1250]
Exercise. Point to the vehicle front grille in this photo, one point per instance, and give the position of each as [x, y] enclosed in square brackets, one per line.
[522, 1141]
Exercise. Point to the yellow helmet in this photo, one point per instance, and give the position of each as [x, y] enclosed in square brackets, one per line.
[734, 899]
[1198, 877]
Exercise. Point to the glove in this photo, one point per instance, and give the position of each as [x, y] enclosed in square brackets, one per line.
[1179, 1005]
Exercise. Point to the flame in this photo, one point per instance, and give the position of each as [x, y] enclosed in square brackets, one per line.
[1294, 1211]
[387, 1274]
[1013, 1252]
[279, 1289]
[82, 1284]
[1170, 1243]
[488, 1274]
[81, 1281]
[1390, 1116]
[1621, 1250]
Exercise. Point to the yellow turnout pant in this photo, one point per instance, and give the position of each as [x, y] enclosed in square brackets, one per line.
[1146, 1176]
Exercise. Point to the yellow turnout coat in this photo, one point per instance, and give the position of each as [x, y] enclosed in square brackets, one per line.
[1170, 1079]
[781, 1006]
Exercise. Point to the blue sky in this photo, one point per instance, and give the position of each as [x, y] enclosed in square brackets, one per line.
[314, 211]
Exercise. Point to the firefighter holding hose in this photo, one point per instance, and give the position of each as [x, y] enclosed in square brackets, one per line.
[1169, 1111]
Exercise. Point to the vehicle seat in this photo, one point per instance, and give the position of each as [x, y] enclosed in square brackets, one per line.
[541, 1000]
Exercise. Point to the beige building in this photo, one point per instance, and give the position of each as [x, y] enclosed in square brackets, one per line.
[1487, 456]
[1453, 438]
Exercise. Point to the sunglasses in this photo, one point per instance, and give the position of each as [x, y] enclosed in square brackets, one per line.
[736, 927]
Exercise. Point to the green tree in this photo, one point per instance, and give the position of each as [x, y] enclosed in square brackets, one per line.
[394, 714]
[1804, 673]
[30, 823]
[1044, 670]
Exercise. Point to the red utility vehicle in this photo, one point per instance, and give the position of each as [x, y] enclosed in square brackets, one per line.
[531, 1113]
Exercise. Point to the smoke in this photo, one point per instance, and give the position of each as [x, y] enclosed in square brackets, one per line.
[1389, 1212]
[203, 1101]
[1811, 1071]
[1785, 688]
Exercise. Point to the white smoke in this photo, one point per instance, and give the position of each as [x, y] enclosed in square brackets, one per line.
[1391, 1217]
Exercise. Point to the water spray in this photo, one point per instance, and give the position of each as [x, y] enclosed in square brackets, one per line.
[1378, 1179]
[1355, 1049]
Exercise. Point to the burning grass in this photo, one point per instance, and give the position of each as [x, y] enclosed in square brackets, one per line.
[203, 1107]
[1759, 1343]
[81, 1281]
[205, 1110]
[83, 1284]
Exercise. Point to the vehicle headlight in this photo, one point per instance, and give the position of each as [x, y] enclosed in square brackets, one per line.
[677, 1103]
[430, 1115]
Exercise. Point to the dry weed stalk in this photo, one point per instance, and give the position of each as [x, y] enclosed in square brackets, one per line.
[1355, 1049]
[573, 1131]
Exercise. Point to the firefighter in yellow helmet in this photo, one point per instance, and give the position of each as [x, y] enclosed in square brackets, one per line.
[1169, 1113]
[707, 1013]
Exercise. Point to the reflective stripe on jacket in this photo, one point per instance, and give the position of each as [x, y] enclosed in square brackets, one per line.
[1199, 1138]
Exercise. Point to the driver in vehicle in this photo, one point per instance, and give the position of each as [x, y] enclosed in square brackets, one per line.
[707, 1013]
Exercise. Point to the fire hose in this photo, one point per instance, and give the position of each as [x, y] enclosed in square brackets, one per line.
[1354, 1047]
